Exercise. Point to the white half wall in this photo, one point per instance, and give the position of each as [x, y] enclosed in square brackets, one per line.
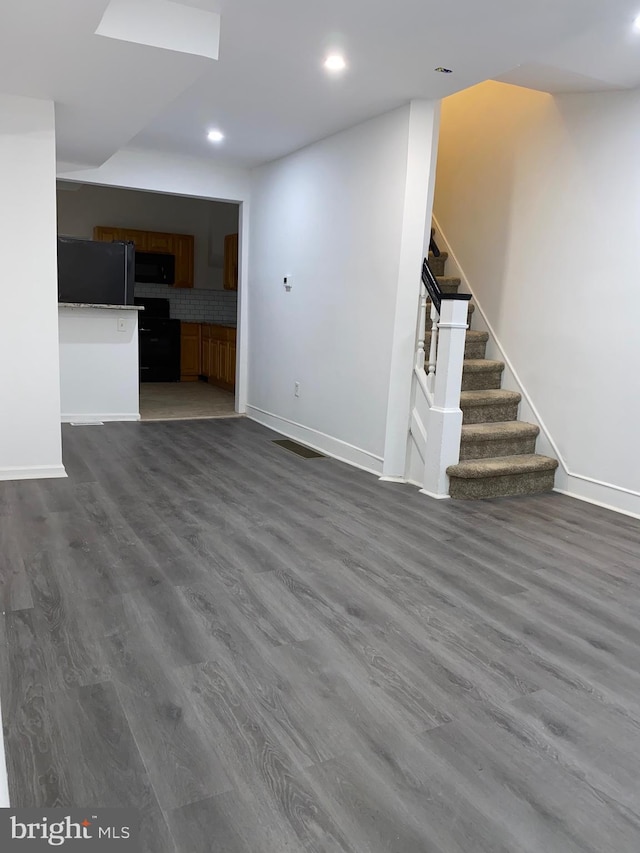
[537, 196]
[331, 217]
[30, 439]
[98, 365]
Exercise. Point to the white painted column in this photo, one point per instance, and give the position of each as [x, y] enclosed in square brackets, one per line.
[444, 428]
[30, 443]
[424, 119]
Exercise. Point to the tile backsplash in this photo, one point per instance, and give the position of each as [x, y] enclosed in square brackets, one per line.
[195, 305]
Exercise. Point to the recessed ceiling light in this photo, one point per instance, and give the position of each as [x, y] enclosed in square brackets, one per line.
[215, 136]
[335, 62]
[442, 70]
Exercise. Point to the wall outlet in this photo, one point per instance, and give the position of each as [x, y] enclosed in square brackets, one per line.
[296, 389]
[122, 324]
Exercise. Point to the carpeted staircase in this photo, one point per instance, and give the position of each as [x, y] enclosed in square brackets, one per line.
[497, 452]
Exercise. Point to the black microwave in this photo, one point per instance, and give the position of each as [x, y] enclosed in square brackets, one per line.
[155, 268]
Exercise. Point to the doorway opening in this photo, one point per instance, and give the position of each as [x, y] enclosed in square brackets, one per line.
[186, 282]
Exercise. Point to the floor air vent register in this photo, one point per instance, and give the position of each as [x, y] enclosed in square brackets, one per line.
[299, 449]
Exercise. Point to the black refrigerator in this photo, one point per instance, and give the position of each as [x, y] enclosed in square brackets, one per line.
[94, 272]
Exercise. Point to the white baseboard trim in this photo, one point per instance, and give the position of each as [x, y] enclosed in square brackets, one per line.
[42, 472]
[320, 441]
[109, 418]
[602, 494]
[435, 497]
[392, 480]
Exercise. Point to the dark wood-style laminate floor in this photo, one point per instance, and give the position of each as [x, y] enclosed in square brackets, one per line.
[270, 654]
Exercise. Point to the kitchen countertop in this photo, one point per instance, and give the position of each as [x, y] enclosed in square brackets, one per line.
[93, 305]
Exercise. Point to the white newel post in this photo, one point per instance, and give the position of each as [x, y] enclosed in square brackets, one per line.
[445, 416]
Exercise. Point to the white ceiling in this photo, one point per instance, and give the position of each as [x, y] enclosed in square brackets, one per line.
[268, 91]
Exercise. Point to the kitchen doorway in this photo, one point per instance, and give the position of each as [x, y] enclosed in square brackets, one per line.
[186, 279]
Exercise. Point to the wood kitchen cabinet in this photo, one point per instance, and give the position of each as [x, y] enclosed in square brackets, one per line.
[107, 235]
[181, 246]
[208, 351]
[183, 249]
[230, 271]
[157, 242]
[190, 351]
[219, 355]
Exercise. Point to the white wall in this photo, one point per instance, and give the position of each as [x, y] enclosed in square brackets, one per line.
[98, 365]
[164, 173]
[30, 444]
[538, 197]
[330, 216]
[80, 210]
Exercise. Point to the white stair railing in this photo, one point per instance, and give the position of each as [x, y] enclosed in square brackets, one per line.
[433, 348]
[436, 419]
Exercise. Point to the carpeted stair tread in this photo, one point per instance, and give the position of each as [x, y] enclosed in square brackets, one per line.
[472, 336]
[496, 396]
[481, 365]
[502, 466]
[502, 430]
[488, 405]
[481, 373]
[438, 265]
[448, 284]
[474, 345]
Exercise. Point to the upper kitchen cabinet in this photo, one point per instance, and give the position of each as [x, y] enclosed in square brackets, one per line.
[128, 235]
[181, 246]
[157, 242]
[107, 235]
[231, 262]
[183, 249]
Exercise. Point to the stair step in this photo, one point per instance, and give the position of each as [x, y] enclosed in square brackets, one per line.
[504, 438]
[481, 407]
[527, 474]
[438, 264]
[481, 374]
[448, 284]
[474, 346]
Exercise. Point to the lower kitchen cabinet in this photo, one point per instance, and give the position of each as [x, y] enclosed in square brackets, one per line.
[190, 348]
[219, 355]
